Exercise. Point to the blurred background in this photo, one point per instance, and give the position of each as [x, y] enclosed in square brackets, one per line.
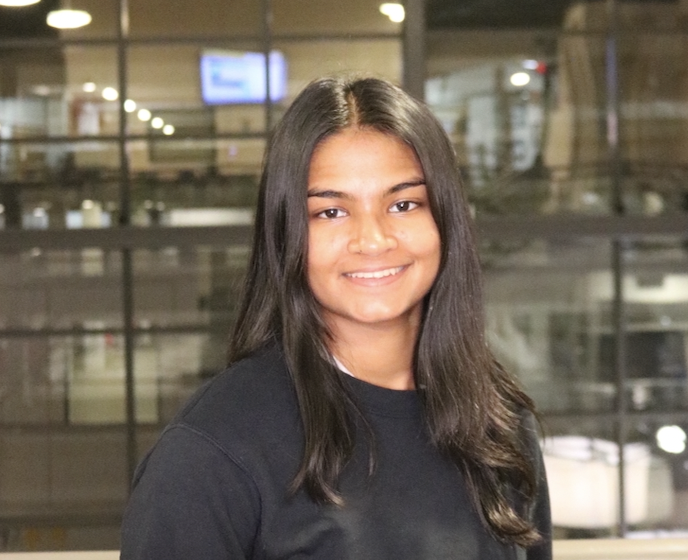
[130, 151]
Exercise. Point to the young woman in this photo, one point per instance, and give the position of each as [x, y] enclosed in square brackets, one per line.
[362, 415]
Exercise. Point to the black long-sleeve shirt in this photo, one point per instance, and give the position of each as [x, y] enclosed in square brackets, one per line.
[215, 486]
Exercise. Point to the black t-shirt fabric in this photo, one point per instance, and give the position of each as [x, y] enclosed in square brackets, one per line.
[215, 485]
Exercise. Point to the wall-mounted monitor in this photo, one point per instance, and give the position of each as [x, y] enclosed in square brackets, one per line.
[229, 77]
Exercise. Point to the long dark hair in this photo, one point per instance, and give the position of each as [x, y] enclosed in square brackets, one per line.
[472, 407]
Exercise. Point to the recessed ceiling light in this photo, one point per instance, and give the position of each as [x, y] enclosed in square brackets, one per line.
[18, 3]
[157, 122]
[68, 19]
[110, 94]
[144, 115]
[89, 87]
[520, 79]
[394, 11]
[671, 439]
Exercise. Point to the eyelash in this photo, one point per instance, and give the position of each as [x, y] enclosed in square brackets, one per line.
[395, 208]
[413, 205]
[323, 213]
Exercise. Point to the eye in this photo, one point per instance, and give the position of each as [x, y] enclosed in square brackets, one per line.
[403, 206]
[330, 213]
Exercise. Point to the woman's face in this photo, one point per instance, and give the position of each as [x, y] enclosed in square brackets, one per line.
[373, 245]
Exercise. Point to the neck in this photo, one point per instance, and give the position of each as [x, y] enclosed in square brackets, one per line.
[375, 354]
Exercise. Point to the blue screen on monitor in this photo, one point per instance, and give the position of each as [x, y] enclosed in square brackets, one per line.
[239, 77]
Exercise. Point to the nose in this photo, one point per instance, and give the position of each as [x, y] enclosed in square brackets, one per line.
[371, 236]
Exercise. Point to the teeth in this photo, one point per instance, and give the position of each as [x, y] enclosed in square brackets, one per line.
[377, 274]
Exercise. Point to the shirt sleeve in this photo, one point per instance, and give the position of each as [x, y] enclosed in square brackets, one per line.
[540, 513]
[190, 501]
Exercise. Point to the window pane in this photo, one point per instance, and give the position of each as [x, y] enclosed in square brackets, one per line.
[188, 287]
[202, 90]
[53, 93]
[35, 378]
[582, 464]
[48, 289]
[652, 50]
[63, 380]
[62, 488]
[216, 169]
[170, 367]
[309, 60]
[657, 476]
[63, 482]
[527, 114]
[59, 186]
[656, 295]
[331, 17]
[213, 18]
[547, 303]
[104, 19]
[581, 460]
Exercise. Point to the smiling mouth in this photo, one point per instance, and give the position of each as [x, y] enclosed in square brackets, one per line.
[376, 274]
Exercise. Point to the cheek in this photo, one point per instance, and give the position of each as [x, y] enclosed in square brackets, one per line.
[320, 256]
[424, 239]
[433, 248]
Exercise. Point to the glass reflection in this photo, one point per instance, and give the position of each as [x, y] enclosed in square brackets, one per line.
[331, 17]
[655, 290]
[170, 367]
[216, 18]
[528, 128]
[583, 467]
[547, 302]
[78, 289]
[180, 287]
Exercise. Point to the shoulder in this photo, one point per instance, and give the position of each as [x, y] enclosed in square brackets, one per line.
[253, 399]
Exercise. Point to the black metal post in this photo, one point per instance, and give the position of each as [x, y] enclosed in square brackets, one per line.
[127, 265]
[613, 115]
[414, 47]
[267, 47]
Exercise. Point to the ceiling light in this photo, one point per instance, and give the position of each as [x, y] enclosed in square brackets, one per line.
[68, 19]
[394, 11]
[110, 94]
[89, 87]
[520, 79]
[671, 439]
[157, 122]
[130, 105]
[168, 129]
[144, 115]
[18, 3]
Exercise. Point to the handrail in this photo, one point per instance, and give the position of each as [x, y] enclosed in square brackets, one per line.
[583, 549]
[81, 555]
[621, 549]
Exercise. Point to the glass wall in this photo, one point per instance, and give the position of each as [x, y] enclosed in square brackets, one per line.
[569, 124]
[130, 151]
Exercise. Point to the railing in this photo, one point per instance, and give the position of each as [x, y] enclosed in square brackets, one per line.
[621, 549]
[89, 555]
[594, 549]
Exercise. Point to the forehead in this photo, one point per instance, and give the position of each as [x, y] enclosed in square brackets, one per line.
[357, 150]
[355, 134]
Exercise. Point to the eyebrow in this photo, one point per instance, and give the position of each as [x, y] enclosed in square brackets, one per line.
[328, 193]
